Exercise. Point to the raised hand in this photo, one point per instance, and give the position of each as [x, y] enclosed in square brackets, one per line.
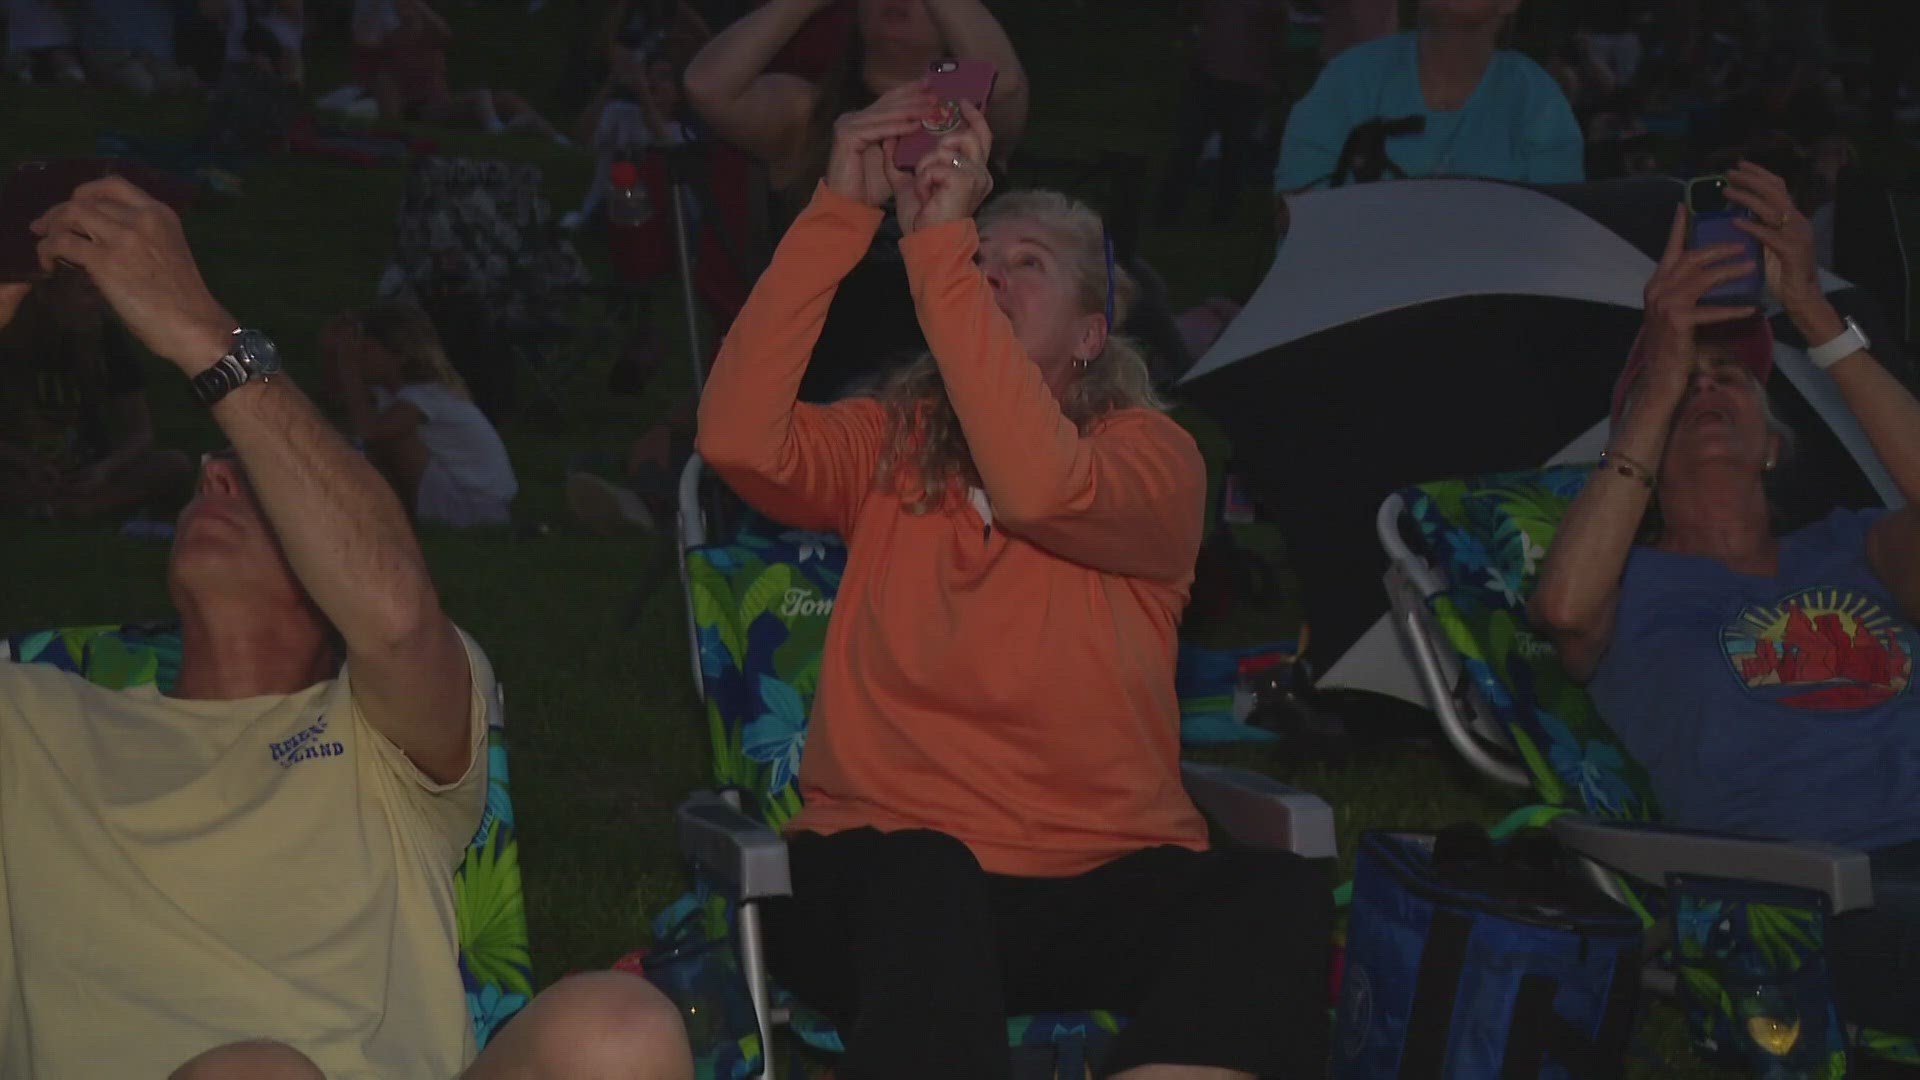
[1785, 235]
[1674, 310]
[859, 167]
[133, 248]
[952, 180]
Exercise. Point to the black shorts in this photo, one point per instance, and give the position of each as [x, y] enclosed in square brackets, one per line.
[919, 955]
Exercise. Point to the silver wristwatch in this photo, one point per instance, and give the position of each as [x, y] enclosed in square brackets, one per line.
[250, 357]
[1851, 340]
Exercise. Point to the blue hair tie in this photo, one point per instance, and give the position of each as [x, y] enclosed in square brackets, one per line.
[1106, 243]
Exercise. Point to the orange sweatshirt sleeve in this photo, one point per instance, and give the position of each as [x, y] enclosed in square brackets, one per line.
[1127, 498]
[804, 465]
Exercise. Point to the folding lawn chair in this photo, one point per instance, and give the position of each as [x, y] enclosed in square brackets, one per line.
[489, 906]
[1465, 557]
[758, 600]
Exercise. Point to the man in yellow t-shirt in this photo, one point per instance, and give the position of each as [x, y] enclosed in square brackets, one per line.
[251, 876]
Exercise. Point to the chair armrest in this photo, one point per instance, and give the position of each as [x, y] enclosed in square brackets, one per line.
[749, 857]
[1261, 812]
[1650, 852]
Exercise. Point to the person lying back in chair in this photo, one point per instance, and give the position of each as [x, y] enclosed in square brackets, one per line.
[1765, 682]
[993, 820]
[252, 875]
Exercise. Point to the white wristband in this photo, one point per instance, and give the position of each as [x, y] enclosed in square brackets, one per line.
[1850, 341]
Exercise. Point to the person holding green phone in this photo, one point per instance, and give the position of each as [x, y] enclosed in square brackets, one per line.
[1764, 681]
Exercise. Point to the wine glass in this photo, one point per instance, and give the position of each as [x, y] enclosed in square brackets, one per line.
[1769, 1016]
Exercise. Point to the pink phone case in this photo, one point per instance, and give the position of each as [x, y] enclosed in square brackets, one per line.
[952, 81]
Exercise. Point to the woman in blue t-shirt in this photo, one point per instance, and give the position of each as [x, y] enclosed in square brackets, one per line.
[1448, 101]
[1765, 682]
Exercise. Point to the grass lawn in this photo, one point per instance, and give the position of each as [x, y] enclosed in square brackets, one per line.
[604, 729]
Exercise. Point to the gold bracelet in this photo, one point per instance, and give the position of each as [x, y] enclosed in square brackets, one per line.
[1627, 467]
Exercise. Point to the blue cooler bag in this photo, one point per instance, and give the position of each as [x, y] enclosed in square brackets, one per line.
[1468, 960]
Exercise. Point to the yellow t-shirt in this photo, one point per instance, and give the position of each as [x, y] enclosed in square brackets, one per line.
[176, 875]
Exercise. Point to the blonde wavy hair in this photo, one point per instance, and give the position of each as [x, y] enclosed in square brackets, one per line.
[406, 332]
[926, 458]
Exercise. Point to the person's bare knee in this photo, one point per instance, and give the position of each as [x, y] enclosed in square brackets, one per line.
[254, 1059]
[606, 1025]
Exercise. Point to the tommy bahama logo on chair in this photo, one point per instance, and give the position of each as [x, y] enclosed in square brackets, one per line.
[760, 614]
[803, 602]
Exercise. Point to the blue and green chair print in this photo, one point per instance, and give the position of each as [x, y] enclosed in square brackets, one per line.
[1467, 555]
[495, 966]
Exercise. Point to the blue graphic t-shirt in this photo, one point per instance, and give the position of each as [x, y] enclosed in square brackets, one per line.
[1777, 707]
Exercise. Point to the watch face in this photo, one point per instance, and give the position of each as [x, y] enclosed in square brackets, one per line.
[258, 352]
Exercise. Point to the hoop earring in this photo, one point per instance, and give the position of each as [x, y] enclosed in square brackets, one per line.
[1080, 363]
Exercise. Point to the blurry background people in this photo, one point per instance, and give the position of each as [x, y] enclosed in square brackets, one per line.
[41, 46]
[76, 436]
[640, 107]
[408, 409]
[1443, 100]
[1227, 93]
[401, 56]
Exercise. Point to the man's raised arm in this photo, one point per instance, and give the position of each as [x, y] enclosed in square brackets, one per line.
[343, 529]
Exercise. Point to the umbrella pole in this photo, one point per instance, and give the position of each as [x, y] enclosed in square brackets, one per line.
[682, 244]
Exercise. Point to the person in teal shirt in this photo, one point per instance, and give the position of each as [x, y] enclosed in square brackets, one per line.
[1483, 111]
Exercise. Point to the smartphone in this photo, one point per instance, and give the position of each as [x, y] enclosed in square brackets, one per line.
[36, 187]
[1710, 220]
[952, 81]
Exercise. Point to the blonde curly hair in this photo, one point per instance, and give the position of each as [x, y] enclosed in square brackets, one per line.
[926, 458]
[405, 331]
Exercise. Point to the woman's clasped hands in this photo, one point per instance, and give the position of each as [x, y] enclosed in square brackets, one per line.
[947, 184]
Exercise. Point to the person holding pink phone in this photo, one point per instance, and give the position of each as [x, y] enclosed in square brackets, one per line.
[993, 819]
[785, 122]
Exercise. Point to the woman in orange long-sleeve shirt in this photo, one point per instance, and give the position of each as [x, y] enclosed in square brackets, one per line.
[993, 816]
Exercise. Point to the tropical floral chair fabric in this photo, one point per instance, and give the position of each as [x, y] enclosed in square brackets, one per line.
[1753, 979]
[1487, 536]
[760, 609]
[490, 909]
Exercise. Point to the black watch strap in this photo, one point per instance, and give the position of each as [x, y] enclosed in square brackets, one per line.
[219, 380]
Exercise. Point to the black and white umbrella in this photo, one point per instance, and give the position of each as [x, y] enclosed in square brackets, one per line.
[1422, 329]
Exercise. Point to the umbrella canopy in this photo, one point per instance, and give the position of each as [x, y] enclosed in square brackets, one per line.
[1421, 329]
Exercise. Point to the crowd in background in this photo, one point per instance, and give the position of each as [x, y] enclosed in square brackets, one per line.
[1281, 95]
